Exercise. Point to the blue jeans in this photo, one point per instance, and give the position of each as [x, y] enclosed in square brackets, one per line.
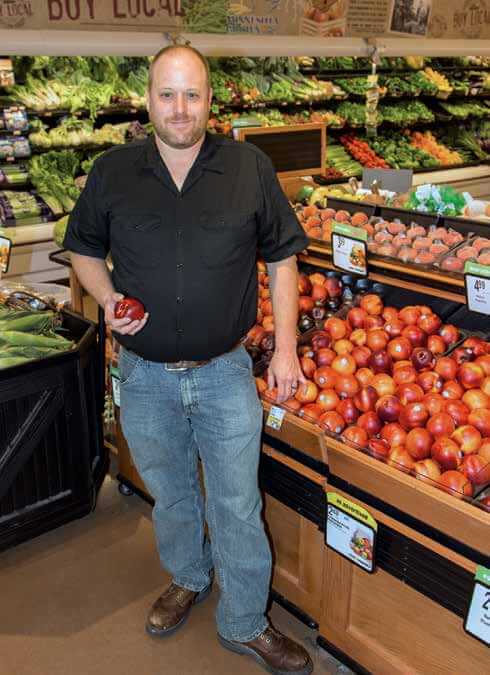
[171, 418]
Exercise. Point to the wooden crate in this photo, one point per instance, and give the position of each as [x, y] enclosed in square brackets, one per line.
[297, 545]
[450, 516]
[385, 624]
[295, 432]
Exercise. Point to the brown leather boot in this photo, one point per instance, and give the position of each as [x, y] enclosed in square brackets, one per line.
[275, 652]
[170, 611]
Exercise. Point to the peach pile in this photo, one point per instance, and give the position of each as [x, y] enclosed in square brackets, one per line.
[318, 223]
[381, 379]
[414, 243]
[477, 250]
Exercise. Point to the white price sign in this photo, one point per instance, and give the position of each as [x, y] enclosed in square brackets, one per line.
[477, 282]
[275, 417]
[349, 249]
[478, 618]
[351, 531]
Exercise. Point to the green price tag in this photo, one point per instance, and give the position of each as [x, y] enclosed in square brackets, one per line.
[477, 285]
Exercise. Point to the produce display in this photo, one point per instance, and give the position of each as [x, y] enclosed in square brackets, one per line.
[477, 250]
[29, 335]
[402, 386]
[22, 208]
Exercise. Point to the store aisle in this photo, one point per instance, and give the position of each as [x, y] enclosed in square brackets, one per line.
[75, 601]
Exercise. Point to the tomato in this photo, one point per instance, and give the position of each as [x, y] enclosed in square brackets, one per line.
[129, 308]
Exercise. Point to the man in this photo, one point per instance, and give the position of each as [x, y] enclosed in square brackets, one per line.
[183, 215]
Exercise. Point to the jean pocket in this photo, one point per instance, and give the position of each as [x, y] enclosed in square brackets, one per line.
[128, 366]
[239, 359]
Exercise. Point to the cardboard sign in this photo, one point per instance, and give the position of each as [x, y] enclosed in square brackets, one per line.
[477, 622]
[349, 249]
[477, 285]
[351, 531]
[390, 179]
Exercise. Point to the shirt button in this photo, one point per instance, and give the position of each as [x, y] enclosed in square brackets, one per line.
[180, 300]
[180, 266]
[180, 331]
[179, 233]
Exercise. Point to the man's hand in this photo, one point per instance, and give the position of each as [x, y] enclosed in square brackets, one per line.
[285, 373]
[121, 326]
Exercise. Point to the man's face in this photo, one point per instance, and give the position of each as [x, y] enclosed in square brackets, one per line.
[179, 99]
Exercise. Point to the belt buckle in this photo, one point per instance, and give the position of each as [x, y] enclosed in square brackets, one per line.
[175, 367]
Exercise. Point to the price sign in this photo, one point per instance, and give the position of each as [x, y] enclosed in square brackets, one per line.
[275, 417]
[5, 250]
[351, 531]
[477, 621]
[477, 283]
[349, 249]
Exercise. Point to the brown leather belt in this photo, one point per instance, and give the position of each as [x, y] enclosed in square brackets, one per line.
[185, 365]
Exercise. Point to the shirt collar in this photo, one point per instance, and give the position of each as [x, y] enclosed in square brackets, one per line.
[209, 157]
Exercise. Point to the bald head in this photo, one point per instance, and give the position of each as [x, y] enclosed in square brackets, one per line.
[179, 96]
[185, 51]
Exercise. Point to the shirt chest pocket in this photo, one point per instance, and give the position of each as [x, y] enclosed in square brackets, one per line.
[138, 237]
[226, 238]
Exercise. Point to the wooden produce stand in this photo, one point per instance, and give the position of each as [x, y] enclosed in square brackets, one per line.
[406, 617]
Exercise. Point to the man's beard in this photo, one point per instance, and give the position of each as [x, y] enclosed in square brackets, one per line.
[178, 140]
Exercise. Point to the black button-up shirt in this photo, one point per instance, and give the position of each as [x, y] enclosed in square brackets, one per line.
[189, 255]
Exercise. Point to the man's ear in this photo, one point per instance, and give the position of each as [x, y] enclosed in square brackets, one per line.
[147, 99]
[210, 96]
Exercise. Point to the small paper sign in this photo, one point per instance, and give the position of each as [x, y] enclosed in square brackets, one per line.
[351, 531]
[116, 386]
[349, 249]
[478, 618]
[477, 284]
[5, 250]
[275, 417]
[394, 180]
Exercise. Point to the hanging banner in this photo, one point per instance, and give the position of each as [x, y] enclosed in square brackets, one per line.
[448, 19]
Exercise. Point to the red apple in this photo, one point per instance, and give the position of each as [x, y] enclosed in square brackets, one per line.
[447, 453]
[468, 438]
[380, 362]
[332, 422]
[480, 419]
[388, 408]
[327, 399]
[399, 348]
[325, 357]
[470, 375]
[348, 410]
[456, 484]
[476, 399]
[370, 422]
[308, 366]
[355, 436]
[378, 448]
[484, 450]
[361, 356]
[430, 382]
[458, 411]
[449, 333]
[435, 403]
[384, 384]
[325, 377]
[462, 355]
[446, 367]
[394, 434]
[415, 335]
[427, 471]
[413, 415]
[356, 317]
[422, 358]
[441, 424]
[436, 344]
[311, 412]
[452, 390]
[419, 443]
[410, 393]
[401, 460]
[365, 399]
[394, 328]
[476, 469]
[404, 375]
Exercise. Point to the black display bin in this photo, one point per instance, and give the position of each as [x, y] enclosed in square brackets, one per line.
[52, 455]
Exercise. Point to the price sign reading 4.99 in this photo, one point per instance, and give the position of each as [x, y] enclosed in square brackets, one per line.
[349, 249]
[477, 282]
[478, 618]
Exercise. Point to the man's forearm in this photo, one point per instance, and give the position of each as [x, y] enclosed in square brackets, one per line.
[94, 276]
[284, 291]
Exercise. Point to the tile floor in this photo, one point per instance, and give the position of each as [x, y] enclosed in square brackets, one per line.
[74, 602]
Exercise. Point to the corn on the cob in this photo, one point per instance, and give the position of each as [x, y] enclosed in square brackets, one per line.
[29, 322]
[17, 338]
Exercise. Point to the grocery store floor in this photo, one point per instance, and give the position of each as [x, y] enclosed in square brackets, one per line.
[75, 600]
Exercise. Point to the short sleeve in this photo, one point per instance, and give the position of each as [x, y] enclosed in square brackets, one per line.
[279, 233]
[88, 227]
